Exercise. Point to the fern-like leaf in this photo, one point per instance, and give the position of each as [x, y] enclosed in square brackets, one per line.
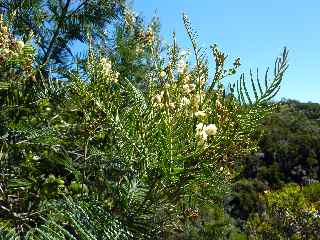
[271, 88]
[7, 232]
[79, 220]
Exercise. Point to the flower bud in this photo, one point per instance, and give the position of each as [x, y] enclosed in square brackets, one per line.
[20, 44]
[162, 74]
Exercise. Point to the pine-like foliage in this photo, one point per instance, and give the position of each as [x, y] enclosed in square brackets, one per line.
[54, 26]
[136, 48]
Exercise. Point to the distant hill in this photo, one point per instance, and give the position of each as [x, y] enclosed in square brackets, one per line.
[289, 147]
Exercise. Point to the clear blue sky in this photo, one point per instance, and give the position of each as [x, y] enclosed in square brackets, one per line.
[256, 31]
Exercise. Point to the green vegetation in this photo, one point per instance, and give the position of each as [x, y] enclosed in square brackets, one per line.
[276, 194]
[290, 214]
[134, 140]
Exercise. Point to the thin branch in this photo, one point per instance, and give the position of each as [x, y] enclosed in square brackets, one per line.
[56, 34]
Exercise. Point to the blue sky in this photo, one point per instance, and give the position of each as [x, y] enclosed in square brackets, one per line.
[255, 30]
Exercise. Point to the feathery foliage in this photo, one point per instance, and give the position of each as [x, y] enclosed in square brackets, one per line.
[85, 220]
[145, 158]
[271, 88]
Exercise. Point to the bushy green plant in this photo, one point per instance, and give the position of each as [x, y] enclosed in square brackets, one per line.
[246, 198]
[291, 213]
[150, 157]
[208, 222]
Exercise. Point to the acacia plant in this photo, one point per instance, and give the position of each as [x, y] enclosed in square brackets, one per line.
[149, 158]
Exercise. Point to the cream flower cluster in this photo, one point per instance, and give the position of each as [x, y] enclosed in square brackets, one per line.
[107, 71]
[160, 101]
[9, 47]
[189, 88]
[158, 98]
[185, 102]
[181, 66]
[200, 114]
[183, 89]
[183, 93]
[191, 96]
[204, 131]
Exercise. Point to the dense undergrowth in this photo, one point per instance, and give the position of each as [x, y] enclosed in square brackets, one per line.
[134, 140]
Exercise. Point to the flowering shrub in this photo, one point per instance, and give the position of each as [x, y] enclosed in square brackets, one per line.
[150, 156]
[168, 147]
